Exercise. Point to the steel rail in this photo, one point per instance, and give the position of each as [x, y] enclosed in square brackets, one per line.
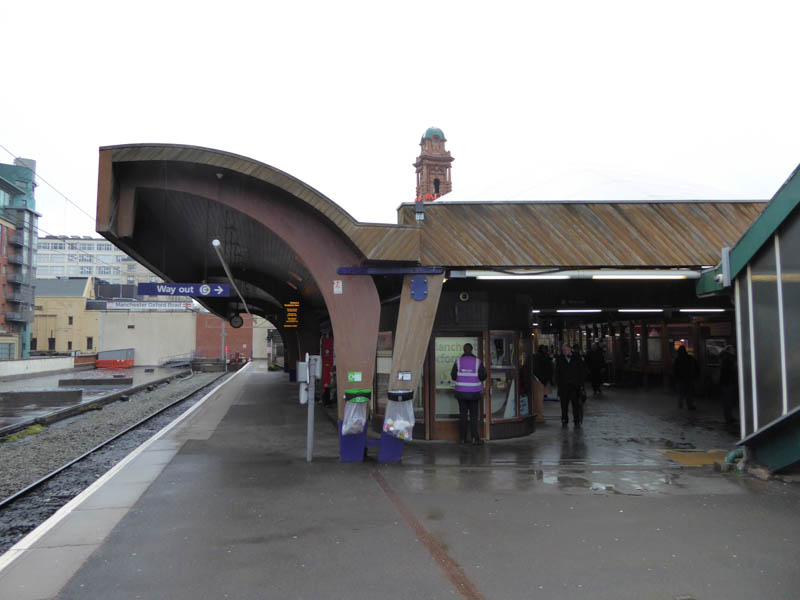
[26, 490]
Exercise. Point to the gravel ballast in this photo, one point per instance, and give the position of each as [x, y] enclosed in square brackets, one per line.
[28, 459]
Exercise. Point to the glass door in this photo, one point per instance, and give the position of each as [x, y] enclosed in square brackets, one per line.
[503, 375]
[444, 406]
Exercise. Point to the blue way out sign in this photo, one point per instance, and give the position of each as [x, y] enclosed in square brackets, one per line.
[214, 290]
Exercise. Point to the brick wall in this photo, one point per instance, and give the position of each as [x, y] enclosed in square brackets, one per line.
[209, 337]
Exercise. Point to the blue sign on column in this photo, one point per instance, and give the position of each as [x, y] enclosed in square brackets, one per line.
[205, 290]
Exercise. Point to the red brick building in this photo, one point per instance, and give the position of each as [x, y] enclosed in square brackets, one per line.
[209, 344]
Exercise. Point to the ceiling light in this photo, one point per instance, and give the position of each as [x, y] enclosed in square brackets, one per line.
[640, 276]
[579, 310]
[536, 310]
[709, 310]
[522, 277]
[640, 310]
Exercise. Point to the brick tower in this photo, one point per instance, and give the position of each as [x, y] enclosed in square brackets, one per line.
[433, 166]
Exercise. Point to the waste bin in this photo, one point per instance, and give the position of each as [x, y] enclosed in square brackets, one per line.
[398, 424]
[353, 443]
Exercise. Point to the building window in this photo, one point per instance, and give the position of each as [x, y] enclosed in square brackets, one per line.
[131, 280]
[153, 279]
[86, 258]
[57, 246]
[69, 320]
[118, 257]
[104, 246]
[34, 343]
[51, 344]
[132, 267]
[7, 351]
[104, 270]
[72, 245]
[86, 270]
[87, 247]
[89, 343]
[69, 345]
[72, 258]
[44, 245]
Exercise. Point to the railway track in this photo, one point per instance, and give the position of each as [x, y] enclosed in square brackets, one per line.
[25, 509]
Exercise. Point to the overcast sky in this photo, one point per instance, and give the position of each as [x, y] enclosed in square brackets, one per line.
[538, 100]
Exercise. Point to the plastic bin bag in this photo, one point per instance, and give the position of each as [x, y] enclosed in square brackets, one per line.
[355, 418]
[399, 419]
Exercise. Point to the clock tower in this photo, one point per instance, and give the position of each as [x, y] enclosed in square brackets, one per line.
[433, 166]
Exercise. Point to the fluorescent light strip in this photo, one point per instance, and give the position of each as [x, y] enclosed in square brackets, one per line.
[536, 310]
[639, 276]
[640, 310]
[522, 277]
[580, 310]
[708, 310]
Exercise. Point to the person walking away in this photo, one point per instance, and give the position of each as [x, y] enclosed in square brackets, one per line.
[728, 383]
[684, 369]
[469, 373]
[570, 375]
[543, 366]
[596, 363]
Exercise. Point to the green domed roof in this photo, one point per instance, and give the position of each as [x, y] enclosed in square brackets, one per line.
[432, 131]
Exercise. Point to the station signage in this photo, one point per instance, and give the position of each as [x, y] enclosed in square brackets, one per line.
[292, 314]
[204, 290]
[148, 305]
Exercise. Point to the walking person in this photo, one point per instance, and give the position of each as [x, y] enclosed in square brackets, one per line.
[596, 363]
[543, 366]
[469, 373]
[684, 369]
[570, 375]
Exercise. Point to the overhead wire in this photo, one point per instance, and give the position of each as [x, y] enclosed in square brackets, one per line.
[50, 185]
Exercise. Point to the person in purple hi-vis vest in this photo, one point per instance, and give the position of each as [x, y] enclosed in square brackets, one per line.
[468, 372]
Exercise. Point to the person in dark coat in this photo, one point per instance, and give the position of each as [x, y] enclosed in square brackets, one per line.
[729, 382]
[570, 375]
[543, 366]
[684, 369]
[469, 373]
[596, 363]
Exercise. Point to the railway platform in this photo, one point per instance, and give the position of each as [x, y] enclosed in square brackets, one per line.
[224, 505]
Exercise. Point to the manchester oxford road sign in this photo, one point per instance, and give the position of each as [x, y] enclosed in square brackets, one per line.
[203, 290]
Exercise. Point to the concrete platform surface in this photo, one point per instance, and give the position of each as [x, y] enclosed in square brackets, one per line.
[225, 506]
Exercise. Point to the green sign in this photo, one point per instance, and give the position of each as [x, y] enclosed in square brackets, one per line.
[353, 376]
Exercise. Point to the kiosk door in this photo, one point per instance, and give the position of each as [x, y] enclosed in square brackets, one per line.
[444, 406]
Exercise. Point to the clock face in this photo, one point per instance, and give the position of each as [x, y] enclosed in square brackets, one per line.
[236, 321]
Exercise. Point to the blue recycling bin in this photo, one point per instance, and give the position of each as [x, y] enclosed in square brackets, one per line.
[390, 448]
[352, 446]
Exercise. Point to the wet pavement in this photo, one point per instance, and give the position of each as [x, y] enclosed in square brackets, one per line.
[225, 505]
[16, 411]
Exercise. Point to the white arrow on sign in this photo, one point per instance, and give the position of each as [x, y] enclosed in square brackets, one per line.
[219, 290]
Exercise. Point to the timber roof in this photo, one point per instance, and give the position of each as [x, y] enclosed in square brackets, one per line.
[580, 233]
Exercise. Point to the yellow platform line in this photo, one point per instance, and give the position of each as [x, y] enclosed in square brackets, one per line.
[695, 458]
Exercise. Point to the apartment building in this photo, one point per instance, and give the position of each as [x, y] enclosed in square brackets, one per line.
[18, 224]
[86, 256]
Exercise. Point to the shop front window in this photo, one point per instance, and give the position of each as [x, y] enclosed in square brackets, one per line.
[654, 344]
[503, 375]
[447, 350]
